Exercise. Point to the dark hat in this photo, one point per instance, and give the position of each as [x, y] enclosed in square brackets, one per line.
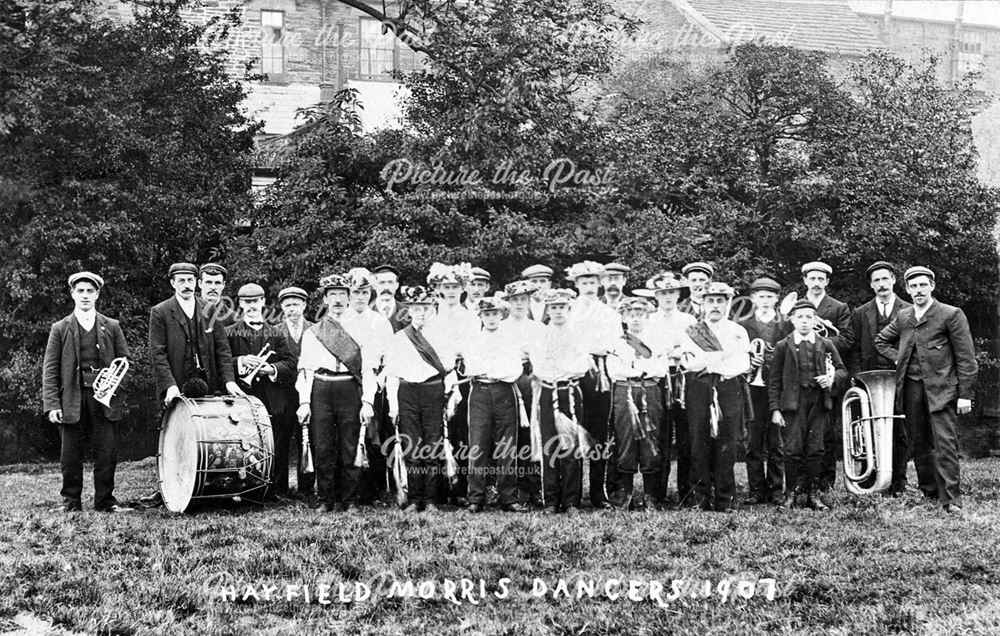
[918, 270]
[88, 276]
[766, 284]
[292, 292]
[817, 266]
[386, 268]
[250, 291]
[416, 295]
[478, 273]
[213, 269]
[699, 266]
[182, 268]
[537, 271]
[880, 265]
[802, 303]
[334, 281]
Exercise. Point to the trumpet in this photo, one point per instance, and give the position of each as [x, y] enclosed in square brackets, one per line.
[758, 348]
[264, 354]
[108, 379]
[868, 437]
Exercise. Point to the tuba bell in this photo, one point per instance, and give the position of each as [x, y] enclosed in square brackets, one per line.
[108, 379]
[867, 416]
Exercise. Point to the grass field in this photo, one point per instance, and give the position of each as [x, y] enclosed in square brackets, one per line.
[870, 566]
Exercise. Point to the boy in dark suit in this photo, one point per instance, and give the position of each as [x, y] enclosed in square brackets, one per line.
[79, 345]
[805, 372]
[936, 374]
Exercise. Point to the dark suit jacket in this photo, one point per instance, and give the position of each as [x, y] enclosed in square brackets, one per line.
[168, 334]
[294, 346]
[61, 366]
[839, 314]
[245, 341]
[783, 381]
[864, 323]
[943, 345]
[754, 330]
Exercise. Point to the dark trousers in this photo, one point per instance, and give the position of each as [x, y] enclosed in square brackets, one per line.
[596, 420]
[373, 478]
[493, 422]
[900, 455]
[635, 454]
[283, 427]
[421, 429]
[933, 444]
[765, 448]
[804, 440]
[97, 431]
[832, 446]
[529, 476]
[334, 428]
[562, 471]
[713, 460]
[675, 441]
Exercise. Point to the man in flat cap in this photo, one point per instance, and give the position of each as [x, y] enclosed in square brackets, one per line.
[613, 281]
[477, 288]
[765, 449]
[336, 386]
[264, 366]
[806, 372]
[211, 285]
[79, 346]
[189, 353]
[830, 311]
[386, 283]
[717, 351]
[527, 334]
[671, 322]
[600, 326]
[637, 365]
[292, 301]
[698, 275]
[936, 372]
[867, 321]
[419, 370]
[496, 408]
[541, 276]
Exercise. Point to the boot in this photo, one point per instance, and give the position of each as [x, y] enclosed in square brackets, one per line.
[816, 503]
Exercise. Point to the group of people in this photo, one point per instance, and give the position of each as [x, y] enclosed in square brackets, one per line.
[520, 391]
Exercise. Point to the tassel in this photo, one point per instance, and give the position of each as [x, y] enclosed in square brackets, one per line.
[522, 415]
[714, 413]
[536, 427]
[646, 426]
[361, 455]
[603, 383]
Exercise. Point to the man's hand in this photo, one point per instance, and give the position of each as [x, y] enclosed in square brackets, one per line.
[778, 418]
[393, 412]
[964, 406]
[757, 360]
[234, 389]
[172, 394]
[367, 412]
[824, 381]
[55, 416]
[303, 413]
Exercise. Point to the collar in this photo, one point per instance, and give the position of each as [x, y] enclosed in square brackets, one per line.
[771, 316]
[816, 301]
[811, 337]
[293, 328]
[920, 314]
[85, 317]
[187, 305]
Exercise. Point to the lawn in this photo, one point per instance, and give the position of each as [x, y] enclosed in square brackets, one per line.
[871, 565]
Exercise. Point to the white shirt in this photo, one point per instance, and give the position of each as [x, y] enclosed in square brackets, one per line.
[403, 362]
[919, 313]
[599, 325]
[885, 309]
[187, 306]
[732, 361]
[798, 338]
[670, 327]
[561, 354]
[377, 329]
[295, 331]
[315, 356]
[624, 362]
[458, 321]
[525, 332]
[86, 318]
[494, 355]
[386, 306]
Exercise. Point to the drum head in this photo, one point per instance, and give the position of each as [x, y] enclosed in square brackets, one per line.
[178, 463]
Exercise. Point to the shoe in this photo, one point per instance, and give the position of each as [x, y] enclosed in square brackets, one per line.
[953, 509]
[115, 508]
[154, 500]
[473, 508]
[431, 508]
[754, 499]
[67, 506]
[325, 508]
[572, 511]
[778, 499]
[352, 508]
[312, 501]
[413, 508]
[514, 507]
[797, 499]
[816, 502]
[550, 510]
[602, 505]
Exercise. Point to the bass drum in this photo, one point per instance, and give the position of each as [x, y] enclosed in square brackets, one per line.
[215, 448]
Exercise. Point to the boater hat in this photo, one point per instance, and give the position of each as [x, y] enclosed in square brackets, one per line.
[478, 273]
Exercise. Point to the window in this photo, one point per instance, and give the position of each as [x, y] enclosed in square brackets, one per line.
[970, 52]
[272, 53]
[381, 53]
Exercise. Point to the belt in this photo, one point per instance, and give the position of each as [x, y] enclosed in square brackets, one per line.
[437, 379]
[643, 382]
[482, 380]
[561, 384]
[332, 377]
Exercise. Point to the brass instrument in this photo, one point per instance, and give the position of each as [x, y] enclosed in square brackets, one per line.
[108, 379]
[825, 329]
[868, 437]
[264, 354]
[786, 304]
[758, 348]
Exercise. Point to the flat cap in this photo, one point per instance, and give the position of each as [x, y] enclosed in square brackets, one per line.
[491, 303]
[918, 270]
[386, 268]
[537, 271]
[182, 268]
[699, 266]
[213, 269]
[632, 303]
[766, 284]
[416, 295]
[877, 265]
[556, 296]
[478, 273]
[292, 292]
[87, 276]
[334, 281]
[817, 266]
[719, 289]
[250, 291]
[586, 268]
[802, 303]
[519, 288]
[617, 268]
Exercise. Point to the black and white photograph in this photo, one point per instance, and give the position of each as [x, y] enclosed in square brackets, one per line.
[499, 317]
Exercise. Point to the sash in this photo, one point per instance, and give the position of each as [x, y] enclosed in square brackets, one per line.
[703, 337]
[424, 348]
[332, 335]
[640, 348]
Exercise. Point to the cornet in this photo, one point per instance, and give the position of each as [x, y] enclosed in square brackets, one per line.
[108, 379]
[264, 354]
[758, 348]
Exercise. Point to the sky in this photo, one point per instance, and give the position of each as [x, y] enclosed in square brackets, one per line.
[974, 12]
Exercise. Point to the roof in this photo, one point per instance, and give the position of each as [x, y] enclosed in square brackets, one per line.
[830, 27]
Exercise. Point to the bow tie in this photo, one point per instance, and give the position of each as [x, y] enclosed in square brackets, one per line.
[256, 325]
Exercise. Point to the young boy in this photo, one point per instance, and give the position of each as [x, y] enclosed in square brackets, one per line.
[800, 389]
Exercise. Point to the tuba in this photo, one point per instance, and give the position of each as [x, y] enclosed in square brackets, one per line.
[108, 379]
[867, 415]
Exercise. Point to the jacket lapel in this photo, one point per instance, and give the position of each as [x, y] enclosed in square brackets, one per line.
[872, 317]
[178, 313]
